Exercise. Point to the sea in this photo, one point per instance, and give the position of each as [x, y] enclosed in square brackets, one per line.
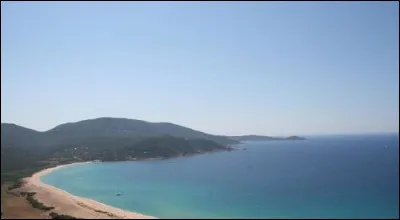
[336, 176]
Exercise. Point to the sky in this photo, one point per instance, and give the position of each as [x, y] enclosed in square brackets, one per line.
[228, 68]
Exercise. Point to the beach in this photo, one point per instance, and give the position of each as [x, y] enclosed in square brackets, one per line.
[67, 204]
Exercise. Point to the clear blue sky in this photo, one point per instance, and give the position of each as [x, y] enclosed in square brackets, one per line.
[272, 68]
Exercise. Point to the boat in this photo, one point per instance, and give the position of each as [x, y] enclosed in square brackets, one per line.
[118, 194]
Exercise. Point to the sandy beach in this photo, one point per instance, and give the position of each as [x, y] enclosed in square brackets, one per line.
[67, 204]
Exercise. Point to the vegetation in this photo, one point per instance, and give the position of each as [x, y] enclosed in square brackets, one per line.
[27, 194]
[15, 206]
[54, 215]
[16, 185]
[35, 204]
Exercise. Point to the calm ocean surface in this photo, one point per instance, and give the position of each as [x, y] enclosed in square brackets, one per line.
[326, 177]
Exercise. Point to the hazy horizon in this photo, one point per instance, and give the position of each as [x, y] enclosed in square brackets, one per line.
[224, 68]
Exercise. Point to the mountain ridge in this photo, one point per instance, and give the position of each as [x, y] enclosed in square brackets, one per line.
[118, 127]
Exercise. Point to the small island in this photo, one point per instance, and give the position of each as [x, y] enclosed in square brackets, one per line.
[265, 138]
[295, 138]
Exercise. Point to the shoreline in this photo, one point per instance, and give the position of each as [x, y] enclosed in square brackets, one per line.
[68, 204]
[65, 203]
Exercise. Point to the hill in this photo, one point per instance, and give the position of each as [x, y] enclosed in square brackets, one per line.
[121, 127]
[17, 136]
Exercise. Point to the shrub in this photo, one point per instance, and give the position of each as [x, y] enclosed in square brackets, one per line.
[54, 215]
[16, 185]
[36, 204]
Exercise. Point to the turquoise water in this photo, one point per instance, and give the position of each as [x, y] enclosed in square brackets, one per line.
[326, 177]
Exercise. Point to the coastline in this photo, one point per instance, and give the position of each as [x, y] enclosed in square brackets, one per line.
[68, 204]
[65, 203]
